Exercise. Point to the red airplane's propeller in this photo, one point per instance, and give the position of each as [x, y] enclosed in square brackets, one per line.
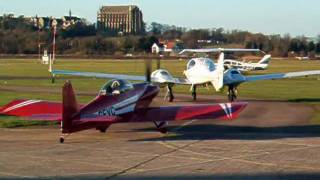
[148, 65]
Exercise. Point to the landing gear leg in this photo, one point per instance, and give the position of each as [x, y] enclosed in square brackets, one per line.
[232, 93]
[194, 92]
[53, 79]
[170, 93]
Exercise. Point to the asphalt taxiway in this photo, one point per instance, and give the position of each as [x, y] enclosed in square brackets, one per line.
[271, 140]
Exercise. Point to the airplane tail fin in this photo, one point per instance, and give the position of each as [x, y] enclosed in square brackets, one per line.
[265, 60]
[218, 79]
[70, 107]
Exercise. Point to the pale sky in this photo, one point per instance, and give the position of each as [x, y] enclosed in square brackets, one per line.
[297, 17]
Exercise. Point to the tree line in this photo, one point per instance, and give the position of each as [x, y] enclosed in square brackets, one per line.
[19, 36]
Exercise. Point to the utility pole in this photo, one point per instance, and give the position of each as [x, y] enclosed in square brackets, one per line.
[54, 27]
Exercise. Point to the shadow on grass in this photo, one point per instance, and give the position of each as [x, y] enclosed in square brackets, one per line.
[212, 132]
[306, 100]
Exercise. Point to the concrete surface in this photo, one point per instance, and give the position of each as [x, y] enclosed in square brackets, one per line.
[271, 140]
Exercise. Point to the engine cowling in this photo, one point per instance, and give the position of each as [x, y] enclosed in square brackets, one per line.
[162, 76]
[233, 76]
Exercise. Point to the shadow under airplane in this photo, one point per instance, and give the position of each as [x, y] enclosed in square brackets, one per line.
[212, 132]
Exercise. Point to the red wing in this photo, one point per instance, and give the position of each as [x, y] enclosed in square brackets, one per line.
[226, 111]
[33, 109]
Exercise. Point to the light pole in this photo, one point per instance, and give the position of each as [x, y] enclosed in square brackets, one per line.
[39, 49]
[54, 26]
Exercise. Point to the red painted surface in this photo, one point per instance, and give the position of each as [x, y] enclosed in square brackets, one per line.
[31, 107]
[104, 110]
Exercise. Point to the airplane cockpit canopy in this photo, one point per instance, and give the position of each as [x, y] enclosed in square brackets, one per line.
[115, 87]
[201, 62]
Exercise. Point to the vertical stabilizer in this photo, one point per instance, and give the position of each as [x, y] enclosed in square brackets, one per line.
[218, 79]
[265, 60]
[70, 107]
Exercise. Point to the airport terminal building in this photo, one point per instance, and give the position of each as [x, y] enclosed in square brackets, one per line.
[120, 19]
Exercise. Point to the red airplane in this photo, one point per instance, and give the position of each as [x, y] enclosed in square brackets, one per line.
[118, 102]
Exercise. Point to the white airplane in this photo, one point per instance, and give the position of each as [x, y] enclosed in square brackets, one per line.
[200, 71]
[237, 64]
[242, 66]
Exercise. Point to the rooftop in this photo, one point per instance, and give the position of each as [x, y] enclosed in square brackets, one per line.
[118, 8]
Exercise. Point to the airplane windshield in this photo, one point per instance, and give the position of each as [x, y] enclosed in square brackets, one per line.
[210, 64]
[191, 64]
[115, 87]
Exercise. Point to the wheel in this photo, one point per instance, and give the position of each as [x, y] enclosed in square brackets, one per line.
[194, 96]
[104, 130]
[61, 140]
[163, 130]
[171, 99]
[232, 93]
[194, 93]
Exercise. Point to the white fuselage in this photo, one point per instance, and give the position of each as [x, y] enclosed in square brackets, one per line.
[243, 66]
[200, 71]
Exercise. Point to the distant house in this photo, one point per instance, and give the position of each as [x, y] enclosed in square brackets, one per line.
[167, 46]
[157, 48]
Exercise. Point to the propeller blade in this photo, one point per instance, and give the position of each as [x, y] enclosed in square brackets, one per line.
[148, 63]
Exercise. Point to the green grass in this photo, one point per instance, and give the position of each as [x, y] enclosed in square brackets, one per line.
[31, 74]
[13, 122]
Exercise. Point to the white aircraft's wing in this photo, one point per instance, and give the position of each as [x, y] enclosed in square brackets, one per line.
[218, 50]
[181, 81]
[99, 75]
[281, 75]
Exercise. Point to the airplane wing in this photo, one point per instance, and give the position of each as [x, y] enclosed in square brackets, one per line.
[33, 110]
[99, 75]
[281, 75]
[218, 50]
[181, 81]
[226, 111]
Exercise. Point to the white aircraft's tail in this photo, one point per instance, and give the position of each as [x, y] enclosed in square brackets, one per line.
[265, 60]
[218, 79]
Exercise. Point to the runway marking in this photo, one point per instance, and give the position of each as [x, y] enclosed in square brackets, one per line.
[183, 125]
[182, 150]
[135, 167]
[80, 161]
[143, 153]
[239, 158]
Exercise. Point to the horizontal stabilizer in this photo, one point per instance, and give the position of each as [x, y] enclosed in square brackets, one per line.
[28, 108]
